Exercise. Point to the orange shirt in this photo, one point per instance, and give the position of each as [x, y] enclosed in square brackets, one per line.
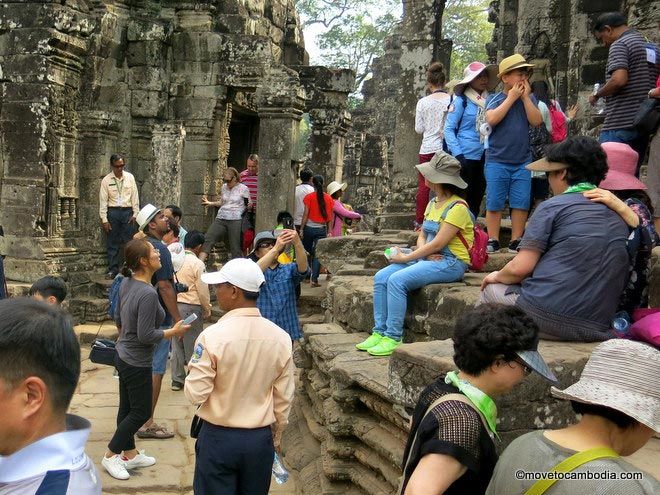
[311, 202]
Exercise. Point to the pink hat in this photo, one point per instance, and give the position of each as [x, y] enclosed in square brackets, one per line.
[472, 71]
[622, 163]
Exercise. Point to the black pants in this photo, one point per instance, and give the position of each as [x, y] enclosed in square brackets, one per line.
[233, 460]
[135, 388]
[122, 232]
[472, 172]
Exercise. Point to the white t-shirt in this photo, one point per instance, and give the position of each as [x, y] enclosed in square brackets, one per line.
[233, 202]
[302, 190]
[430, 116]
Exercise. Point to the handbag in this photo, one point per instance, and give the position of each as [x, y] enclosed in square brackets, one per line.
[103, 352]
[647, 117]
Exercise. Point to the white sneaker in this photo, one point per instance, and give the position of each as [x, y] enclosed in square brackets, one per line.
[115, 467]
[139, 461]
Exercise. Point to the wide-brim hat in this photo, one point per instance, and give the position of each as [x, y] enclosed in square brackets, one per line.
[515, 61]
[534, 360]
[623, 375]
[622, 165]
[472, 71]
[543, 165]
[442, 169]
[240, 272]
[145, 215]
[335, 186]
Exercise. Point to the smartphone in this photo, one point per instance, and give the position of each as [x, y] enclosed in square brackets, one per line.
[288, 223]
[190, 319]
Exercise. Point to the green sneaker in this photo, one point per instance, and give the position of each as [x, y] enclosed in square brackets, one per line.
[373, 340]
[385, 347]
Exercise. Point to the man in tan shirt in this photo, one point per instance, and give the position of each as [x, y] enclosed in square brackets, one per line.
[241, 374]
[196, 300]
[118, 206]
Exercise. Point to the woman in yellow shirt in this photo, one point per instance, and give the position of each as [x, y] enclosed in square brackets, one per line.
[440, 256]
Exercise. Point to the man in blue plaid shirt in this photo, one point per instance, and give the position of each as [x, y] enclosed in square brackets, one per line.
[277, 298]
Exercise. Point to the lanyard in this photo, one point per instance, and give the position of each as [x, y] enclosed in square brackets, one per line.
[438, 91]
[580, 187]
[479, 399]
[119, 189]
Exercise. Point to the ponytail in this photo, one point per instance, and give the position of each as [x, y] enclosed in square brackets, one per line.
[126, 271]
[317, 182]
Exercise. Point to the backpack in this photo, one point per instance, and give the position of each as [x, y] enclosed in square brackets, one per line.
[539, 138]
[113, 295]
[479, 250]
[558, 119]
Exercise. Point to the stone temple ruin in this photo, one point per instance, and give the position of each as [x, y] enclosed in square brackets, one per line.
[184, 89]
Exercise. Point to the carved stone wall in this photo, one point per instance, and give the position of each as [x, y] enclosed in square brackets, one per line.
[161, 82]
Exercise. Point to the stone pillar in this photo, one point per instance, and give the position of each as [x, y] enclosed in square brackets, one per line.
[281, 100]
[421, 44]
[164, 184]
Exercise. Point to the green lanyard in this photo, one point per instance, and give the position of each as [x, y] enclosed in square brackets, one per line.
[479, 399]
[580, 187]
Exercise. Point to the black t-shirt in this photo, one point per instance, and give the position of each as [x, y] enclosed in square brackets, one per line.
[455, 429]
[165, 272]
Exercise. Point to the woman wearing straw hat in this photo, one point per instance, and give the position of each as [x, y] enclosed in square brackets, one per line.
[465, 116]
[339, 211]
[429, 121]
[618, 399]
[441, 255]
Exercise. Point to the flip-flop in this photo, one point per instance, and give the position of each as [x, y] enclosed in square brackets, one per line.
[155, 431]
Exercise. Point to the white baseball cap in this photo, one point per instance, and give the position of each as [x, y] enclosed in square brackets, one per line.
[241, 272]
[146, 214]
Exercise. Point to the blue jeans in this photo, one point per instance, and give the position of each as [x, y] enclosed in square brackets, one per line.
[311, 236]
[392, 284]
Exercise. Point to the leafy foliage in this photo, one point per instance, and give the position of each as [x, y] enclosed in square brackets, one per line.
[465, 22]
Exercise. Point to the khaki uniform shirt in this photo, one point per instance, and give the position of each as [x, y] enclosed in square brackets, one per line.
[116, 192]
[241, 372]
[190, 274]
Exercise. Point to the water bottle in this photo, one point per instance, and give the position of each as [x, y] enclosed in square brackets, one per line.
[599, 108]
[391, 251]
[621, 324]
[280, 473]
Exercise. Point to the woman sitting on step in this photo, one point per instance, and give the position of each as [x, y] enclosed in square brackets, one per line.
[441, 254]
[451, 446]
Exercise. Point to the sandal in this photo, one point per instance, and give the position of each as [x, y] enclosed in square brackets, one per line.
[315, 284]
[155, 431]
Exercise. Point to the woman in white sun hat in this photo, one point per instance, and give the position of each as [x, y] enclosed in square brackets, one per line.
[339, 211]
[465, 116]
[618, 399]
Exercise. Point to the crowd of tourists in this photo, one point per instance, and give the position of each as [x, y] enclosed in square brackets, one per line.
[581, 264]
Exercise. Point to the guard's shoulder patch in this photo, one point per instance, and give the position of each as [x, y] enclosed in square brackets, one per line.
[197, 353]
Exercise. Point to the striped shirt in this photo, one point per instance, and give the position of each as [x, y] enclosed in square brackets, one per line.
[629, 52]
[251, 181]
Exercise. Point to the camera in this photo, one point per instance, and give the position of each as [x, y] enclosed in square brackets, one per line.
[179, 287]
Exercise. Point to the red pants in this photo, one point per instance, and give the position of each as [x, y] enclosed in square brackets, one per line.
[422, 199]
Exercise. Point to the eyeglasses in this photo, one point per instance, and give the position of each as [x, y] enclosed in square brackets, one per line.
[525, 367]
[265, 245]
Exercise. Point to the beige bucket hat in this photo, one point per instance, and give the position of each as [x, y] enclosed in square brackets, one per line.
[335, 186]
[515, 61]
[442, 169]
[623, 375]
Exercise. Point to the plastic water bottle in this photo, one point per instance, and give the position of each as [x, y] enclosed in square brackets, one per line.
[391, 251]
[621, 324]
[280, 473]
[600, 103]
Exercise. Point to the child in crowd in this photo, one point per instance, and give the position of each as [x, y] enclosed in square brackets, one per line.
[509, 115]
[49, 289]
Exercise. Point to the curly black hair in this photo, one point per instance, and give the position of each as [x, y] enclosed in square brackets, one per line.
[490, 331]
[586, 159]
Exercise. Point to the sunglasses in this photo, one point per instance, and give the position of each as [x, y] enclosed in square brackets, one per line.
[265, 244]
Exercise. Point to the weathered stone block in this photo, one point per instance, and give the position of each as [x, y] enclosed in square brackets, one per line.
[148, 104]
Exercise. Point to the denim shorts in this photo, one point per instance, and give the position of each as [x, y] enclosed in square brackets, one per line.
[161, 351]
[510, 180]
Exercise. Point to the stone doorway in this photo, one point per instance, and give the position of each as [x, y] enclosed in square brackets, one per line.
[243, 138]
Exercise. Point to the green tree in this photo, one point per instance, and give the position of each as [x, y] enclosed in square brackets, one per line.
[465, 22]
[354, 33]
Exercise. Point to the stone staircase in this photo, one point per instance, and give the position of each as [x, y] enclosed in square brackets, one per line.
[354, 409]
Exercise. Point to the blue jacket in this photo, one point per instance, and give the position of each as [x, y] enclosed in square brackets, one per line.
[461, 134]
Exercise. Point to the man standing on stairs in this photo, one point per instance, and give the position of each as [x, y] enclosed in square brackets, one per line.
[118, 207]
[153, 222]
[241, 376]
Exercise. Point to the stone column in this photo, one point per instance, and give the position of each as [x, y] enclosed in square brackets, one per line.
[421, 44]
[164, 184]
[281, 101]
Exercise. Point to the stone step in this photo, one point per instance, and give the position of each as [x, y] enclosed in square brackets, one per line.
[89, 309]
[17, 289]
[402, 221]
